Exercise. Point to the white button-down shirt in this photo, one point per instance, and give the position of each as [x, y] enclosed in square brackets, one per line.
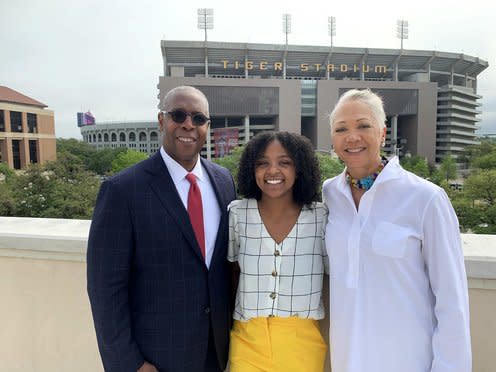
[398, 286]
[211, 209]
[278, 279]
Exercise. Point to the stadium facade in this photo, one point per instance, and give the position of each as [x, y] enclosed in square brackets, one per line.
[141, 136]
[430, 96]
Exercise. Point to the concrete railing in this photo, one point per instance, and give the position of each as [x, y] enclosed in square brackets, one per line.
[45, 314]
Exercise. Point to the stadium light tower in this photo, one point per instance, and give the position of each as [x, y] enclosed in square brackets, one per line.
[286, 25]
[205, 20]
[402, 30]
[331, 22]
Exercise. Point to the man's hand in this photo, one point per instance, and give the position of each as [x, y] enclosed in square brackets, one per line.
[147, 367]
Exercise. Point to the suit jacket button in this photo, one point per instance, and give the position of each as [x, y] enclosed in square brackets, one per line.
[207, 310]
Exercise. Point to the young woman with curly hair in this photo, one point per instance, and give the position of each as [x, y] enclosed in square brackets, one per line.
[276, 240]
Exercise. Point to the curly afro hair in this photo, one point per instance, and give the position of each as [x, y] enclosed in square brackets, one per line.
[306, 187]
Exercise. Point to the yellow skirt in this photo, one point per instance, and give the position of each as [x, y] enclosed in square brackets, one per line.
[277, 345]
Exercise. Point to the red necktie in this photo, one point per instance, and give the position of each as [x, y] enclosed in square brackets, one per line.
[195, 211]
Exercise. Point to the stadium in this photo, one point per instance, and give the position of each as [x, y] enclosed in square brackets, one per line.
[430, 96]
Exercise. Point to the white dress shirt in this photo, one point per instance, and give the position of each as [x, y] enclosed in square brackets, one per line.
[211, 209]
[398, 287]
[278, 279]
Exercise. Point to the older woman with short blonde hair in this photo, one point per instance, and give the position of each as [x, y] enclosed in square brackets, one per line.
[398, 285]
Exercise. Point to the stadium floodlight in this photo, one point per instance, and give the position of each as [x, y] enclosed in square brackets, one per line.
[402, 30]
[286, 25]
[331, 22]
[205, 20]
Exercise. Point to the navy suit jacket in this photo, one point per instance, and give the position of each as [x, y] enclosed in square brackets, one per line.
[151, 294]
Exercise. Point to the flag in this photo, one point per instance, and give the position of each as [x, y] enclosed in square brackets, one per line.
[89, 119]
[80, 119]
[225, 139]
[85, 118]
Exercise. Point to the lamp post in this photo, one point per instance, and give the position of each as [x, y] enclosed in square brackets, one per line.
[331, 23]
[205, 20]
[286, 25]
[402, 30]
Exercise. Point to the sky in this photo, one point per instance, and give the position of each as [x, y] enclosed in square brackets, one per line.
[104, 56]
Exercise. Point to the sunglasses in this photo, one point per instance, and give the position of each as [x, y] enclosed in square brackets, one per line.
[179, 116]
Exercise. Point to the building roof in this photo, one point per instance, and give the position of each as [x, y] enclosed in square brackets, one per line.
[12, 96]
[222, 57]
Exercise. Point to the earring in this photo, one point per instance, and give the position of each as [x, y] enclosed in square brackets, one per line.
[383, 144]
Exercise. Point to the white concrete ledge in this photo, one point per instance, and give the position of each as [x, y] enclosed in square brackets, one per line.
[47, 316]
[480, 255]
[44, 238]
[62, 239]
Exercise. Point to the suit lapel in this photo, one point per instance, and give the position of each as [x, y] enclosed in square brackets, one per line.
[163, 186]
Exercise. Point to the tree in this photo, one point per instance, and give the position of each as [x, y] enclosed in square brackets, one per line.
[482, 186]
[75, 188]
[417, 165]
[482, 155]
[7, 202]
[32, 190]
[329, 167]
[487, 161]
[97, 161]
[101, 161]
[5, 171]
[81, 149]
[421, 169]
[231, 162]
[126, 159]
[448, 167]
[468, 215]
[58, 189]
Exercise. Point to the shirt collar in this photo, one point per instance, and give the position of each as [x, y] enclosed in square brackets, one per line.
[391, 171]
[177, 172]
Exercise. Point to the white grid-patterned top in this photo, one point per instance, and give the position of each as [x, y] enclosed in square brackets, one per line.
[282, 279]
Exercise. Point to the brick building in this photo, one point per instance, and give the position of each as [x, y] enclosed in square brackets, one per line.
[27, 130]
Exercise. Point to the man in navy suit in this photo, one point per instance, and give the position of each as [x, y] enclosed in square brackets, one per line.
[160, 298]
